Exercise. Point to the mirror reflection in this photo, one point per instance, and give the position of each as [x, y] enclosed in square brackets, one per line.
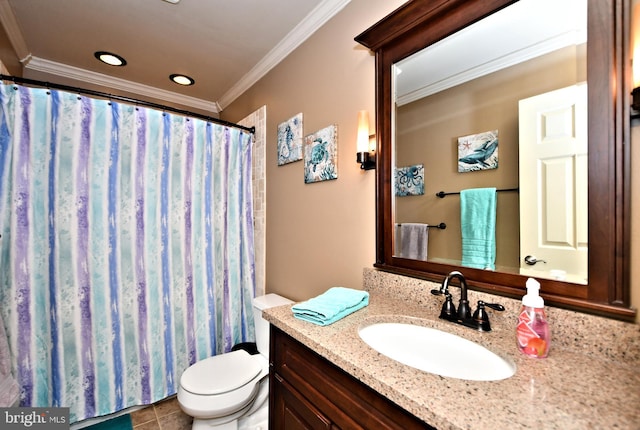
[490, 138]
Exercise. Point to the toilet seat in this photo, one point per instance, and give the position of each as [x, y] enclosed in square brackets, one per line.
[223, 391]
[222, 386]
[221, 373]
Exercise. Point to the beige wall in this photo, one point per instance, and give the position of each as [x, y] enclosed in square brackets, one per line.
[9, 61]
[322, 234]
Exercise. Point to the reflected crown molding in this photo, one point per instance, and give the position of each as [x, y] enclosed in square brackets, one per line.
[482, 48]
[488, 67]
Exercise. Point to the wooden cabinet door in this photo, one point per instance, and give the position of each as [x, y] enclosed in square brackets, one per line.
[291, 411]
[309, 392]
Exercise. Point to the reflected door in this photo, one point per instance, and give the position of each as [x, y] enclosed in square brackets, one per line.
[553, 184]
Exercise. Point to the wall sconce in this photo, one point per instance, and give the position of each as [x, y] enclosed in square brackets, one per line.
[365, 146]
[635, 60]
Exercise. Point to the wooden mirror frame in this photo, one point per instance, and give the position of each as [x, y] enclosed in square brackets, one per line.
[420, 23]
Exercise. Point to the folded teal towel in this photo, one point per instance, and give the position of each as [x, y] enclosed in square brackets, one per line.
[330, 306]
[478, 225]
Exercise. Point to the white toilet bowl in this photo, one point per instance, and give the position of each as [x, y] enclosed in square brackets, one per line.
[221, 391]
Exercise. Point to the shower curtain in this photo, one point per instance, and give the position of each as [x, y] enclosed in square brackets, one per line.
[127, 247]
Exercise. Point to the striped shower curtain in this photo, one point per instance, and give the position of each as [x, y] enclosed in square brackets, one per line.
[127, 247]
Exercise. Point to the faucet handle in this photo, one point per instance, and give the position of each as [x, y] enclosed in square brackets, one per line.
[494, 306]
[448, 311]
[481, 317]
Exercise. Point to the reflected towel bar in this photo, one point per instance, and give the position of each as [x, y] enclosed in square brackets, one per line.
[440, 226]
[441, 194]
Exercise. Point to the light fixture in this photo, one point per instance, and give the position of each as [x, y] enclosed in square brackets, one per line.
[182, 79]
[635, 59]
[110, 58]
[365, 155]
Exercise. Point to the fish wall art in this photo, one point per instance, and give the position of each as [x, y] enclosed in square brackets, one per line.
[478, 151]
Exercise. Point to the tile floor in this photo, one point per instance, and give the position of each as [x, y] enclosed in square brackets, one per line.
[164, 415]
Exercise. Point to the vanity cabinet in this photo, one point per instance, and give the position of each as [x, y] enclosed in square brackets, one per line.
[309, 392]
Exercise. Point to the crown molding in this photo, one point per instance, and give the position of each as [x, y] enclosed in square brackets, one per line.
[11, 27]
[78, 74]
[309, 25]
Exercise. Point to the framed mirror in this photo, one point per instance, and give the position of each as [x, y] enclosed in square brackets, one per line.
[438, 95]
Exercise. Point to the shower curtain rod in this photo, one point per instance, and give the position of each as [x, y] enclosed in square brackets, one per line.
[33, 82]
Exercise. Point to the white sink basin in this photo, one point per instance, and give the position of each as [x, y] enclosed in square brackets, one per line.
[436, 351]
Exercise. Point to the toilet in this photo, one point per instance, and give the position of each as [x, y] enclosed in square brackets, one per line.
[230, 391]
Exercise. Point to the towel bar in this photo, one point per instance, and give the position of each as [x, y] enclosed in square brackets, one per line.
[441, 194]
[440, 226]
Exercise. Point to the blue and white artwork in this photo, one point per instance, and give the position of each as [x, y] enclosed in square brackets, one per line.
[321, 155]
[478, 151]
[409, 181]
[290, 140]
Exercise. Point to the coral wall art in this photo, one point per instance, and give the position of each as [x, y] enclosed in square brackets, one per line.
[290, 140]
[321, 155]
[409, 181]
[478, 151]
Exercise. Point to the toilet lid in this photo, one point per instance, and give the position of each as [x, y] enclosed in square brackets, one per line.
[221, 373]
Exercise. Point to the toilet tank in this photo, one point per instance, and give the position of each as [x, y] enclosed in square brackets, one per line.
[261, 303]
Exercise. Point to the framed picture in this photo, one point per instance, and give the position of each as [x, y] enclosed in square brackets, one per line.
[478, 151]
[290, 140]
[321, 155]
[409, 181]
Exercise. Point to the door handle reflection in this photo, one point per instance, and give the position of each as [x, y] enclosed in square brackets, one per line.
[531, 260]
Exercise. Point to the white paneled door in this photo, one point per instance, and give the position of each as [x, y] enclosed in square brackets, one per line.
[553, 184]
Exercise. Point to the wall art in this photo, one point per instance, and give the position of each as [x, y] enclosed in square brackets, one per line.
[478, 151]
[321, 155]
[409, 181]
[290, 140]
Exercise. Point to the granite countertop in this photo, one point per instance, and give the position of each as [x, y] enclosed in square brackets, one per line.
[568, 390]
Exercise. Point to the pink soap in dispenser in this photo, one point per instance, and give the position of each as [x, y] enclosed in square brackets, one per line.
[532, 333]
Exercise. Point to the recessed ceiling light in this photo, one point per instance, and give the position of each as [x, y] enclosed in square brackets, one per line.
[182, 79]
[110, 58]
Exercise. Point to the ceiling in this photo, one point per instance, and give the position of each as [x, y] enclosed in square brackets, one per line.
[225, 45]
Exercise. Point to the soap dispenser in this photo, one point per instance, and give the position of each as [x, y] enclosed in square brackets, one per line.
[532, 332]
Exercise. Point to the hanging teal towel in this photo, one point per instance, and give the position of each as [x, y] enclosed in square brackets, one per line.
[478, 225]
[330, 306]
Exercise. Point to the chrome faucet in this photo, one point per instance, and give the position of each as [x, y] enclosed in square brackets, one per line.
[480, 319]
